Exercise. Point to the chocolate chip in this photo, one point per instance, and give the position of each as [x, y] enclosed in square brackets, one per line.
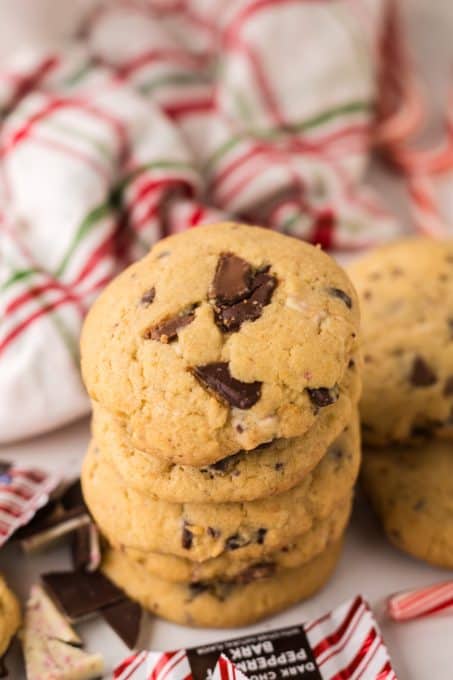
[256, 572]
[341, 295]
[448, 388]
[148, 297]
[127, 619]
[419, 505]
[261, 536]
[198, 588]
[279, 466]
[217, 377]
[167, 331]
[422, 374]
[230, 318]
[80, 593]
[236, 541]
[231, 279]
[213, 533]
[323, 396]
[187, 537]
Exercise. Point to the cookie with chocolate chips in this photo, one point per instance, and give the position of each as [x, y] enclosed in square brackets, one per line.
[411, 490]
[272, 468]
[237, 337]
[406, 295]
[242, 569]
[216, 603]
[200, 531]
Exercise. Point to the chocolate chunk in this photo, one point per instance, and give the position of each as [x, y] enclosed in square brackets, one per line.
[278, 467]
[236, 541]
[80, 593]
[217, 377]
[323, 396]
[148, 297]
[72, 496]
[231, 279]
[422, 374]
[50, 526]
[230, 318]
[85, 548]
[187, 537]
[341, 295]
[167, 331]
[261, 536]
[225, 466]
[128, 620]
[213, 533]
[197, 588]
[448, 388]
[256, 572]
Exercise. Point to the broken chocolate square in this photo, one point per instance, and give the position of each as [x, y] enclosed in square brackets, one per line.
[217, 377]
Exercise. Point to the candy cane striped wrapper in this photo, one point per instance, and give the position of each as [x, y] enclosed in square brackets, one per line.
[345, 643]
[22, 492]
[412, 604]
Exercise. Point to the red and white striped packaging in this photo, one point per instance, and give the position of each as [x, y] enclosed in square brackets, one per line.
[413, 604]
[345, 643]
[22, 492]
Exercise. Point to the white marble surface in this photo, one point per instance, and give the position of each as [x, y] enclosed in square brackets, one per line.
[420, 650]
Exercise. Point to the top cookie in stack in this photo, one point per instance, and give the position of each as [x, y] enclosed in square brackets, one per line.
[406, 294]
[225, 376]
[221, 339]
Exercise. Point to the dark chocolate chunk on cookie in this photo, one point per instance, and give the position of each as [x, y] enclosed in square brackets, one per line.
[217, 377]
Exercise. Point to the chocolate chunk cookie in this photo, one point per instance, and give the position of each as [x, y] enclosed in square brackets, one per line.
[219, 604]
[300, 551]
[406, 296]
[9, 616]
[200, 531]
[411, 490]
[237, 337]
[272, 468]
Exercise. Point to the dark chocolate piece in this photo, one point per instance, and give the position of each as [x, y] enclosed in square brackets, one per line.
[85, 548]
[422, 374]
[213, 533]
[236, 541]
[187, 537]
[128, 620]
[323, 396]
[232, 279]
[261, 536]
[448, 388]
[80, 593]
[148, 297]
[341, 295]
[230, 318]
[217, 377]
[167, 331]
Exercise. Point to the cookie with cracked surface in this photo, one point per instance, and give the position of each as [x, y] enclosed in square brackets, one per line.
[271, 468]
[303, 549]
[218, 604]
[221, 339]
[200, 531]
[10, 616]
[411, 490]
[406, 295]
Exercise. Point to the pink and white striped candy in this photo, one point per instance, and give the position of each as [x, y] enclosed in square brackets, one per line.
[412, 604]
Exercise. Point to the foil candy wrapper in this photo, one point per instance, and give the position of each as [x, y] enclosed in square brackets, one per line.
[23, 491]
[345, 643]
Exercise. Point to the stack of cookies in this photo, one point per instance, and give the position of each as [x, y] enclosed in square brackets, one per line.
[406, 293]
[224, 374]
